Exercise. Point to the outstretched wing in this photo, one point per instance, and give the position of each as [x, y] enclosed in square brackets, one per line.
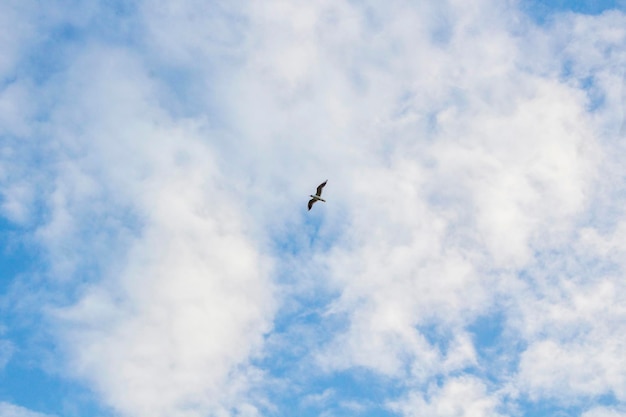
[319, 188]
[311, 201]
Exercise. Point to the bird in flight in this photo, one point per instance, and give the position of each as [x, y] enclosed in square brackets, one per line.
[317, 196]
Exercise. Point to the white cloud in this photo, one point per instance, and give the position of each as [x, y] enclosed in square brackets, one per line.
[15, 110]
[459, 397]
[19, 30]
[459, 158]
[575, 323]
[183, 297]
[573, 370]
[509, 169]
[603, 412]
[17, 202]
[318, 400]
[573, 319]
[450, 209]
[11, 410]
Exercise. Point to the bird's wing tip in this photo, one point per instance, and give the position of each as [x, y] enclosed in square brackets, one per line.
[319, 188]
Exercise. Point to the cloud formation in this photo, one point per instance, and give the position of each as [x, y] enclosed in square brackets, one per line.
[469, 258]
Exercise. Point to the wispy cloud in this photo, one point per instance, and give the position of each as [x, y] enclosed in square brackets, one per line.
[10, 410]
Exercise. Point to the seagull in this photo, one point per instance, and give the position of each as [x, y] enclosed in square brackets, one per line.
[317, 195]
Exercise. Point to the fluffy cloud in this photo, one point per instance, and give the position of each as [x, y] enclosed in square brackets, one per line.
[575, 322]
[504, 167]
[182, 296]
[471, 157]
[465, 396]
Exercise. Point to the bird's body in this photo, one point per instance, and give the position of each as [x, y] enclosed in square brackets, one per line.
[317, 196]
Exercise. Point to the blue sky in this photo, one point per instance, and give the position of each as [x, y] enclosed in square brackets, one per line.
[156, 254]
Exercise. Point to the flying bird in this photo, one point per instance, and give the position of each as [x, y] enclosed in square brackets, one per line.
[317, 196]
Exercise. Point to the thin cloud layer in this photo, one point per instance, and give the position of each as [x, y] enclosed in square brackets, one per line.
[468, 261]
[10, 410]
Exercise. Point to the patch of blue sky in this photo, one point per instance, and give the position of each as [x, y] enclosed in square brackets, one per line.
[301, 327]
[361, 386]
[594, 94]
[48, 57]
[324, 238]
[25, 278]
[60, 36]
[25, 288]
[497, 352]
[344, 393]
[25, 383]
[436, 336]
[33, 378]
[314, 234]
[544, 11]
[179, 94]
[181, 83]
[488, 329]
[22, 260]
[497, 348]
[110, 20]
[299, 240]
[16, 253]
[596, 99]
[442, 32]
[29, 378]
[302, 323]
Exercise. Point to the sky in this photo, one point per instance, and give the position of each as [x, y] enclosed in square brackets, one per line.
[157, 258]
